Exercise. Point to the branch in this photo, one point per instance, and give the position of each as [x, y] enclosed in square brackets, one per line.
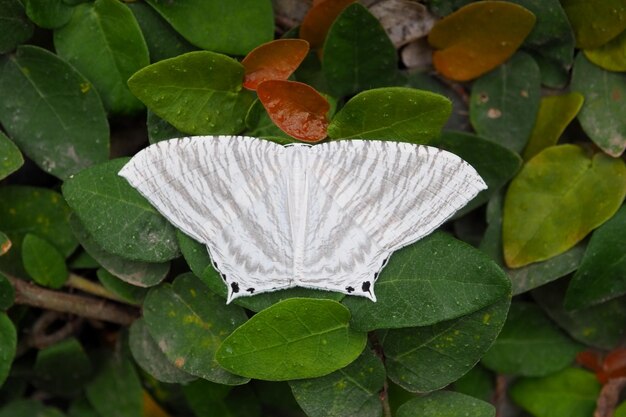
[92, 308]
[609, 397]
[93, 288]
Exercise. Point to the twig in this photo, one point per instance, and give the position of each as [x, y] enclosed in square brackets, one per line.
[90, 287]
[609, 397]
[40, 337]
[384, 399]
[499, 395]
[92, 308]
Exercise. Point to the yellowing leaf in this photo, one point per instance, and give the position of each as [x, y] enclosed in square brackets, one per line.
[558, 197]
[478, 37]
[610, 56]
[595, 22]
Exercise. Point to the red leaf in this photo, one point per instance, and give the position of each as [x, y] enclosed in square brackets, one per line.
[319, 18]
[615, 363]
[590, 360]
[296, 108]
[275, 60]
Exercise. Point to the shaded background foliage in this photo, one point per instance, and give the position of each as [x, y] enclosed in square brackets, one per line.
[515, 306]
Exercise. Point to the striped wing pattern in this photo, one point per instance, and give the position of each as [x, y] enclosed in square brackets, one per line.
[326, 217]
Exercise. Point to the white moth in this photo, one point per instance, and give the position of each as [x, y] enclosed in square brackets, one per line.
[326, 216]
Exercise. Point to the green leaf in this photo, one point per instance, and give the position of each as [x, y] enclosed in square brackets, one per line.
[438, 278]
[124, 291]
[570, 393]
[189, 323]
[198, 259]
[198, 92]
[80, 407]
[52, 112]
[236, 27]
[28, 408]
[150, 358]
[530, 344]
[601, 325]
[7, 294]
[495, 164]
[595, 22]
[141, 274]
[117, 217]
[350, 391]
[446, 403]
[557, 198]
[8, 344]
[63, 368]
[540, 273]
[393, 113]
[159, 129]
[505, 101]
[5, 243]
[423, 359]
[208, 399]
[611, 56]
[555, 113]
[293, 339]
[162, 40]
[116, 390]
[11, 159]
[477, 383]
[358, 54]
[43, 262]
[602, 272]
[82, 260]
[33, 210]
[103, 41]
[601, 114]
[49, 14]
[15, 27]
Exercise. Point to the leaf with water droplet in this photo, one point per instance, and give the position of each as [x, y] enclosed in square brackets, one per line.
[275, 60]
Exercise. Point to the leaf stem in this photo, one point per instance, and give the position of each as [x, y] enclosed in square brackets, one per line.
[93, 288]
[384, 399]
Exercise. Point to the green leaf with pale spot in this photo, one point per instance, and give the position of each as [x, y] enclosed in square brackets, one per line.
[189, 323]
[43, 262]
[15, 27]
[392, 113]
[595, 22]
[350, 391]
[49, 14]
[198, 92]
[117, 217]
[103, 41]
[293, 339]
[28, 408]
[557, 198]
[572, 392]
[423, 359]
[8, 345]
[530, 344]
[448, 404]
[11, 158]
[438, 278]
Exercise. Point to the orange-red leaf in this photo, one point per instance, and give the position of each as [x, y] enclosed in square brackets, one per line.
[275, 60]
[296, 108]
[478, 37]
[319, 18]
[615, 363]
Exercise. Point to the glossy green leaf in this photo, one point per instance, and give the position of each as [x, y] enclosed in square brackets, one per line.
[162, 40]
[198, 259]
[103, 41]
[478, 383]
[43, 262]
[150, 358]
[446, 403]
[253, 20]
[63, 368]
[124, 291]
[8, 344]
[530, 344]
[7, 293]
[601, 326]
[423, 359]
[15, 27]
[537, 274]
[505, 101]
[141, 274]
[11, 158]
[208, 399]
[33, 210]
[394, 113]
[350, 391]
[358, 54]
[198, 92]
[555, 113]
[570, 393]
[293, 339]
[117, 217]
[159, 129]
[189, 323]
[115, 391]
[495, 164]
[28, 408]
[52, 112]
[595, 22]
[557, 198]
[611, 56]
[49, 14]
[438, 278]
[601, 116]
[602, 272]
